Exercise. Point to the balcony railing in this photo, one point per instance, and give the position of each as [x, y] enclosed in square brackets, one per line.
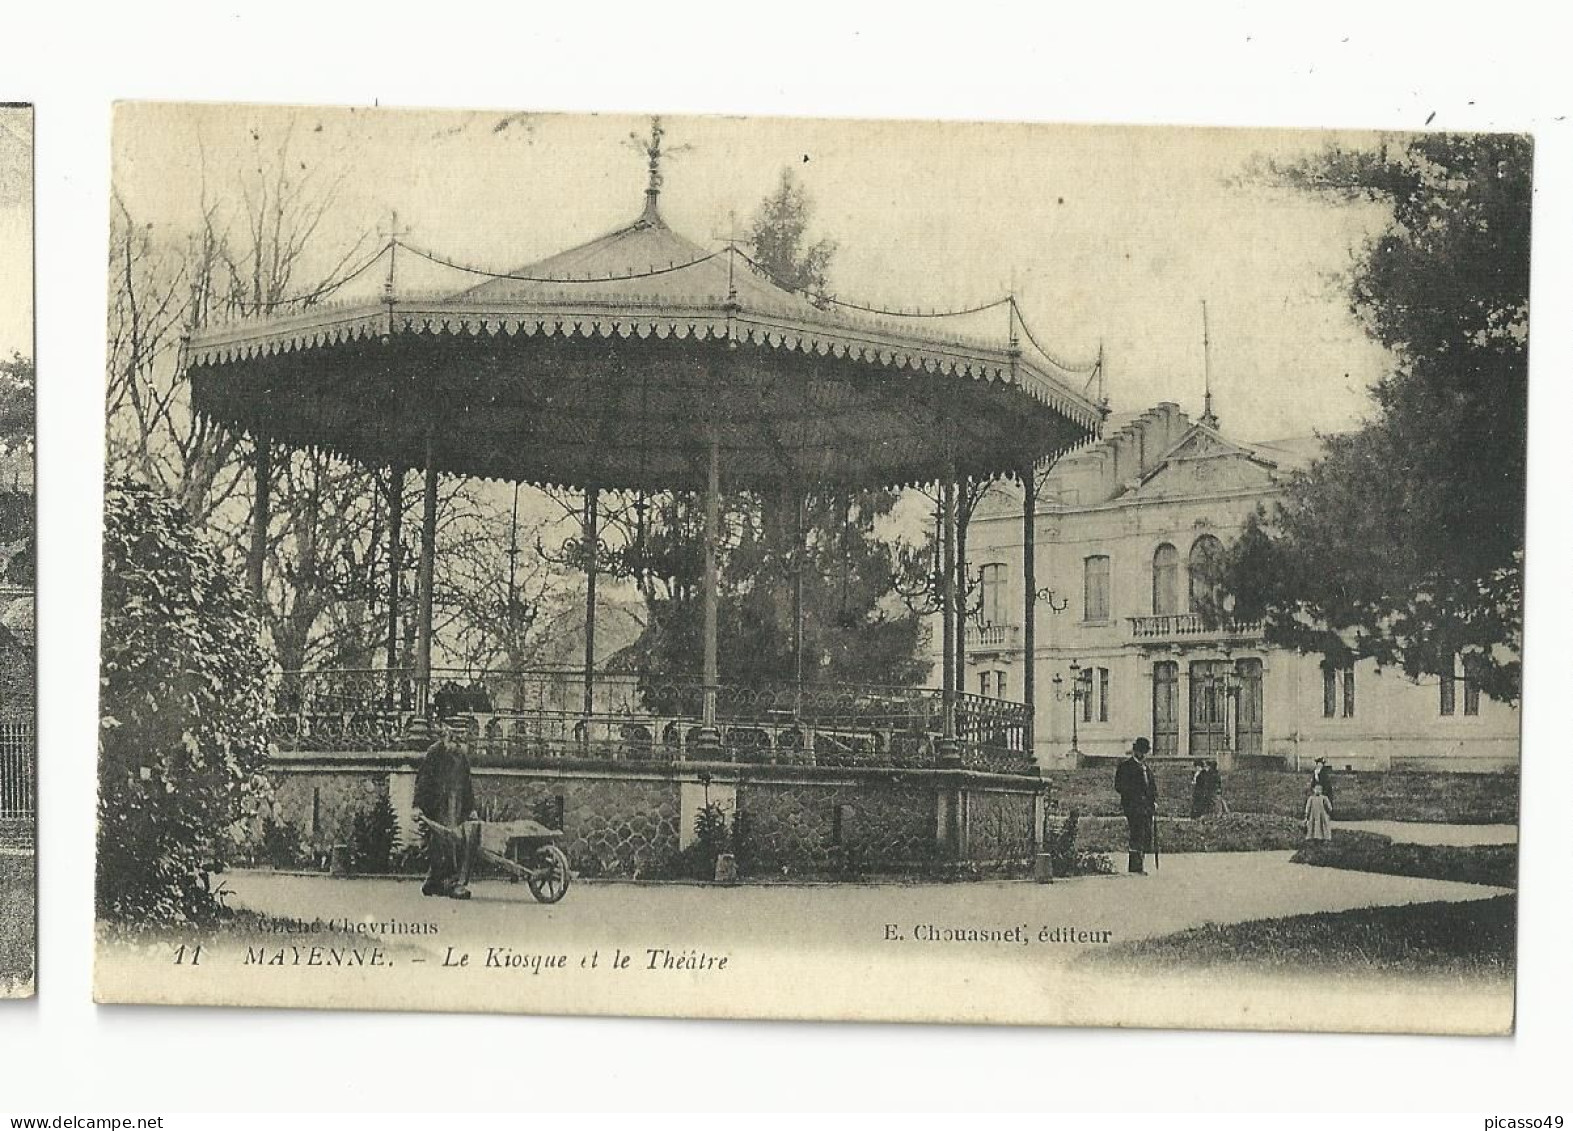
[992, 635]
[542, 715]
[16, 770]
[1192, 626]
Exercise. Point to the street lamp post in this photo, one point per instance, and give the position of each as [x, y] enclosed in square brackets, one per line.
[1227, 684]
[1076, 694]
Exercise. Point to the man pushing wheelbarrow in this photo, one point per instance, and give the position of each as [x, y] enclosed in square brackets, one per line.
[445, 799]
[456, 837]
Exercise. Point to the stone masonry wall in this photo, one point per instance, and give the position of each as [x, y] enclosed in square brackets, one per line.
[822, 826]
[611, 826]
[335, 798]
[1000, 825]
[628, 824]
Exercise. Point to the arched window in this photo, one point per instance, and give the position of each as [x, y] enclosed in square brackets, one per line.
[1165, 581]
[1206, 570]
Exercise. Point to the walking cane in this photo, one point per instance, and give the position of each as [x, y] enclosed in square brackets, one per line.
[1155, 856]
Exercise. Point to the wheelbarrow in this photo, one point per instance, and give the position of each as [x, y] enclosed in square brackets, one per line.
[524, 850]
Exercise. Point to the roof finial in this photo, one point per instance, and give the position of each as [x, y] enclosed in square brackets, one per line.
[651, 148]
[654, 149]
[1209, 417]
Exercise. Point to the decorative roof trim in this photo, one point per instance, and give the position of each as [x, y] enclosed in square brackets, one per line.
[872, 344]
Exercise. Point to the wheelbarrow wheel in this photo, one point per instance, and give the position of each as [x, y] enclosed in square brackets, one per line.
[549, 883]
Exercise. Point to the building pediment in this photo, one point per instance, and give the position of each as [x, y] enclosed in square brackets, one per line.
[1205, 463]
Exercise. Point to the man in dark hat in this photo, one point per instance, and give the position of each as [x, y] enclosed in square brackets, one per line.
[1138, 791]
[444, 795]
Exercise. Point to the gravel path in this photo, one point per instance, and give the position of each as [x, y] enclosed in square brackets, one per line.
[1184, 891]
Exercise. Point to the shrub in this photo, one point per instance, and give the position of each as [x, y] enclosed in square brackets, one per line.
[697, 861]
[374, 834]
[711, 839]
[744, 847]
[183, 708]
[281, 844]
[1070, 860]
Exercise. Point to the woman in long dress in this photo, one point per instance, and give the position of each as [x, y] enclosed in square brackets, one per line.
[1318, 815]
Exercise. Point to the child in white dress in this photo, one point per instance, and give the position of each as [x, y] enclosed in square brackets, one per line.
[1318, 815]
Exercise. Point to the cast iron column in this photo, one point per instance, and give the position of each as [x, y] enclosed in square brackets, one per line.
[395, 557]
[963, 601]
[424, 580]
[708, 741]
[592, 564]
[799, 553]
[263, 474]
[1029, 613]
[949, 746]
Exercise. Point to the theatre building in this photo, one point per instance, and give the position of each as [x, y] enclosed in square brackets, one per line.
[1127, 531]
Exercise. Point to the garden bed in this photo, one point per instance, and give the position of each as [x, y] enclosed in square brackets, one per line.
[1495, 864]
[1474, 939]
[1368, 795]
[1236, 832]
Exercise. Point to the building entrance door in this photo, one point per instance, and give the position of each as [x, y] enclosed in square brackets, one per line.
[1248, 722]
[1208, 717]
[1165, 709]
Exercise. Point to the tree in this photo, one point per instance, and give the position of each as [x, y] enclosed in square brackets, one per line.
[778, 236]
[264, 243]
[17, 412]
[1404, 542]
[182, 710]
[17, 520]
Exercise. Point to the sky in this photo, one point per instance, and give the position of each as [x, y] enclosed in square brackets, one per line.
[16, 230]
[1112, 236]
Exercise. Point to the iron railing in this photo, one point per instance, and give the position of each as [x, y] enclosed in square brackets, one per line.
[543, 715]
[16, 770]
[1193, 626]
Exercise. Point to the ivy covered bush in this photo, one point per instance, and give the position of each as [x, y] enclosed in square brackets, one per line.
[1070, 858]
[182, 712]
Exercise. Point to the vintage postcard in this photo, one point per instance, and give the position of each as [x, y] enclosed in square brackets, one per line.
[726, 567]
[18, 792]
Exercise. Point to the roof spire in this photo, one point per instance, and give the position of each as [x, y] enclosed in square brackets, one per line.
[651, 148]
[1209, 417]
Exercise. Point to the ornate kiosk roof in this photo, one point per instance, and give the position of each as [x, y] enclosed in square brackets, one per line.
[613, 364]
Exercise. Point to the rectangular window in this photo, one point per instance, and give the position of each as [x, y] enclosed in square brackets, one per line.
[1103, 695]
[999, 686]
[993, 579]
[1096, 588]
[1471, 686]
[983, 683]
[1338, 692]
[1085, 680]
[1447, 689]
